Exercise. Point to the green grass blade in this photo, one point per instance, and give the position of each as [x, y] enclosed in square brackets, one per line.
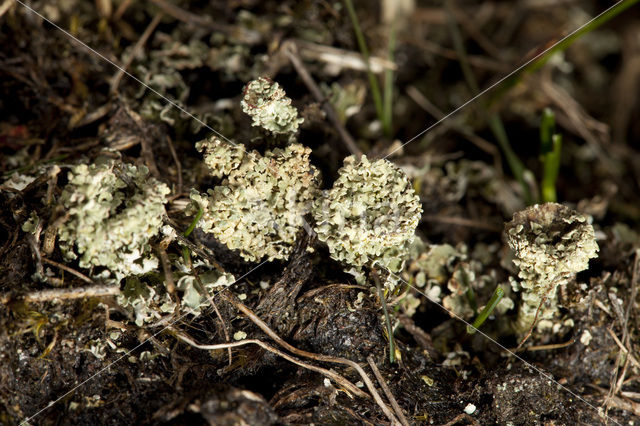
[364, 50]
[498, 294]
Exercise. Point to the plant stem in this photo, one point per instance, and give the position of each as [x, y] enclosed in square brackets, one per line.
[492, 119]
[550, 153]
[498, 293]
[364, 50]
[551, 169]
[383, 302]
[387, 113]
[562, 46]
[194, 223]
[186, 255]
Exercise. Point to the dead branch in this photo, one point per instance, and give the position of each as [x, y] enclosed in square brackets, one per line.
[174, 155]
[423, 102]
[342, 58]
[72, 271]
[290, 50]
[63, 294]
[387, 391]
[327, 373]
[115, 82]
[229, 297]
[244, 35]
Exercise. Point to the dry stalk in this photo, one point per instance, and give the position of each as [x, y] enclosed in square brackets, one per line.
[318, 357]
[64, 294]
[327, 373]
[387, 391]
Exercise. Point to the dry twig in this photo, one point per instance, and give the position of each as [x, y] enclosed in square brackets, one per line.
[387, 391]
[327, 373]
[115, 82]
[72, 271]
[64, 294]
[289, 49]
[318, 357]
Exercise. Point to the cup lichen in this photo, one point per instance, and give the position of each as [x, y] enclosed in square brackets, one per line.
[551, 243]
[370, 215]
[269, 107]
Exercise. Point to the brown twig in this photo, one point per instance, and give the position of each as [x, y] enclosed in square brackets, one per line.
[623, 348]
[202, 289]
[618, 376]
[177, 161]
[318, 290]
[387, 391]
[461, 221]
[327, 373]
[169, 282]
[420, 336]
[289, 49]
[550, 347]
[115, 82]
[318, 357]
[472, 29]
[72, 271]
[459, 417]
[620, 403]
[64, 294]
[483, 144]
[244, 35]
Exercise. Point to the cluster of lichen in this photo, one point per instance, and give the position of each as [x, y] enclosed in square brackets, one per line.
[269, 107]
[259, 206]
[551, 244]
[369, 215]
[113, 210]
[452, 276]
[147, 300]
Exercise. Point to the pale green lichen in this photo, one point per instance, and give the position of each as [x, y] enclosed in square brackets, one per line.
[31, 225]
[370, 215]
[221, 157]
[193, 301]
[551, 244]
[144, 301]
[113, 210]
[269, 107]
[259, 207]
[149, 300]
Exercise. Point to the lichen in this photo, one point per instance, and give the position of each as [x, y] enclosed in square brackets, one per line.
[269, 107]
[221, 157]
[259, 207]
[145, 302]
[193, 301]
[551, 244]
[370, 215]
[113, 209]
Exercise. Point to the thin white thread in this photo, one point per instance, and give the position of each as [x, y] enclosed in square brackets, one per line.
[540, 371]
[474, 98]
[52, 403]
